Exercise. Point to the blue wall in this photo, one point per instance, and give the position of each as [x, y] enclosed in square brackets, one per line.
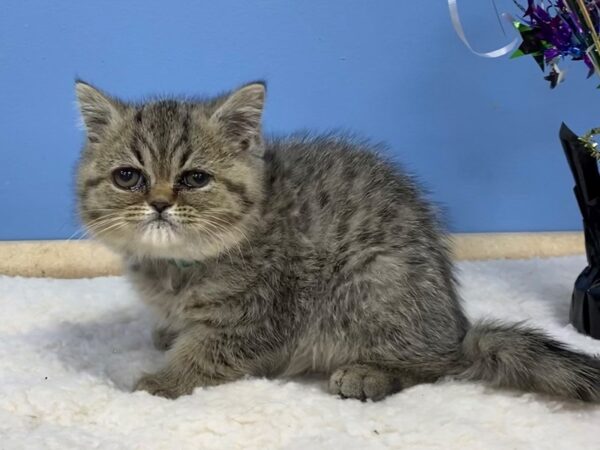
[482, 134]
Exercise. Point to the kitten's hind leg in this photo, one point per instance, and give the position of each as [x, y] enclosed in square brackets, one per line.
[368, 381]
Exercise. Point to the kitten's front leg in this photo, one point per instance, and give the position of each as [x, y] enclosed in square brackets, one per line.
[197, 358]
[163, 338]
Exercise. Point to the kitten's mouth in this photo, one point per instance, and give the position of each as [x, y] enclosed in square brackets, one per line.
[161, 222]
[159, 233]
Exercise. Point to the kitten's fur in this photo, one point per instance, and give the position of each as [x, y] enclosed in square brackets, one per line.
[302, 254]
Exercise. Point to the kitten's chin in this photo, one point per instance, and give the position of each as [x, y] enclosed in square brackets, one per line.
[157, 243]
[155, 239]
[158, 240]
[159, 234]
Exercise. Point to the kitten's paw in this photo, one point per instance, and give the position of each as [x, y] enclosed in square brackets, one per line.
[163, 338]
[161, 386]
[362, 381]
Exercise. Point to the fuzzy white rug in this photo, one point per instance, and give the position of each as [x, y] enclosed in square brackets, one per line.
[71, 350]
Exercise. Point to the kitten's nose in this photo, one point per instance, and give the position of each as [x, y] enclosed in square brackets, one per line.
[160, 205]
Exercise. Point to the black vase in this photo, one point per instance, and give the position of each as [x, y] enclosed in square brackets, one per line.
[585, 303]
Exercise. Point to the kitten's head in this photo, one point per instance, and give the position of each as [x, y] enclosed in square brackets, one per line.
[168, 178]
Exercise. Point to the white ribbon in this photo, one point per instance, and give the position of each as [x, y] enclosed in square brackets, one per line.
[461, 34]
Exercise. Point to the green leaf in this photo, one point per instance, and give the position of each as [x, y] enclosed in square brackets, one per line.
[517, 54]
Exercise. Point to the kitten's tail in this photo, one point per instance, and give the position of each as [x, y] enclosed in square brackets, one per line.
[515, 356]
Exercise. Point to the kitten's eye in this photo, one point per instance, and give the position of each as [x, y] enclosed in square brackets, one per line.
[128, 178]
[195, 179]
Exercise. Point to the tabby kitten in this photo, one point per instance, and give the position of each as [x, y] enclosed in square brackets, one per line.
[275, 257]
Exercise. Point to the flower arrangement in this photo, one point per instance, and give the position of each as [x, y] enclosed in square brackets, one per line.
[552, 31]
[557, 29]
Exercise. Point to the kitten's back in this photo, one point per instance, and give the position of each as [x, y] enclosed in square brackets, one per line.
[343, 193]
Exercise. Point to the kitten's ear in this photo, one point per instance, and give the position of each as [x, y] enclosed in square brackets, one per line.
[98, 110]
[241, 113]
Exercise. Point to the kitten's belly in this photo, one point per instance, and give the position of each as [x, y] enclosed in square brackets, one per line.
[322, 354]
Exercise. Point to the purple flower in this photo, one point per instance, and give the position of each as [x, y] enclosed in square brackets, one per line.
[556, 30]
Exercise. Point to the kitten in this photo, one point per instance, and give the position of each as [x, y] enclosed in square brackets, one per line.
[270, 257]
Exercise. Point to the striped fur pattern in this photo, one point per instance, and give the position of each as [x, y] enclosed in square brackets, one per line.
[300, 254]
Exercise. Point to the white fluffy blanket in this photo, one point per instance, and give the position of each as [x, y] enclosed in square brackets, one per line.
[71, 350]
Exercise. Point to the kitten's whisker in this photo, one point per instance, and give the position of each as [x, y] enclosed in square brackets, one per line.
[113, 227]
[100, 224]
[76, 232]
[243, 235]
[104, 217]
[214, 237]
[106, 225]
[221, 224]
